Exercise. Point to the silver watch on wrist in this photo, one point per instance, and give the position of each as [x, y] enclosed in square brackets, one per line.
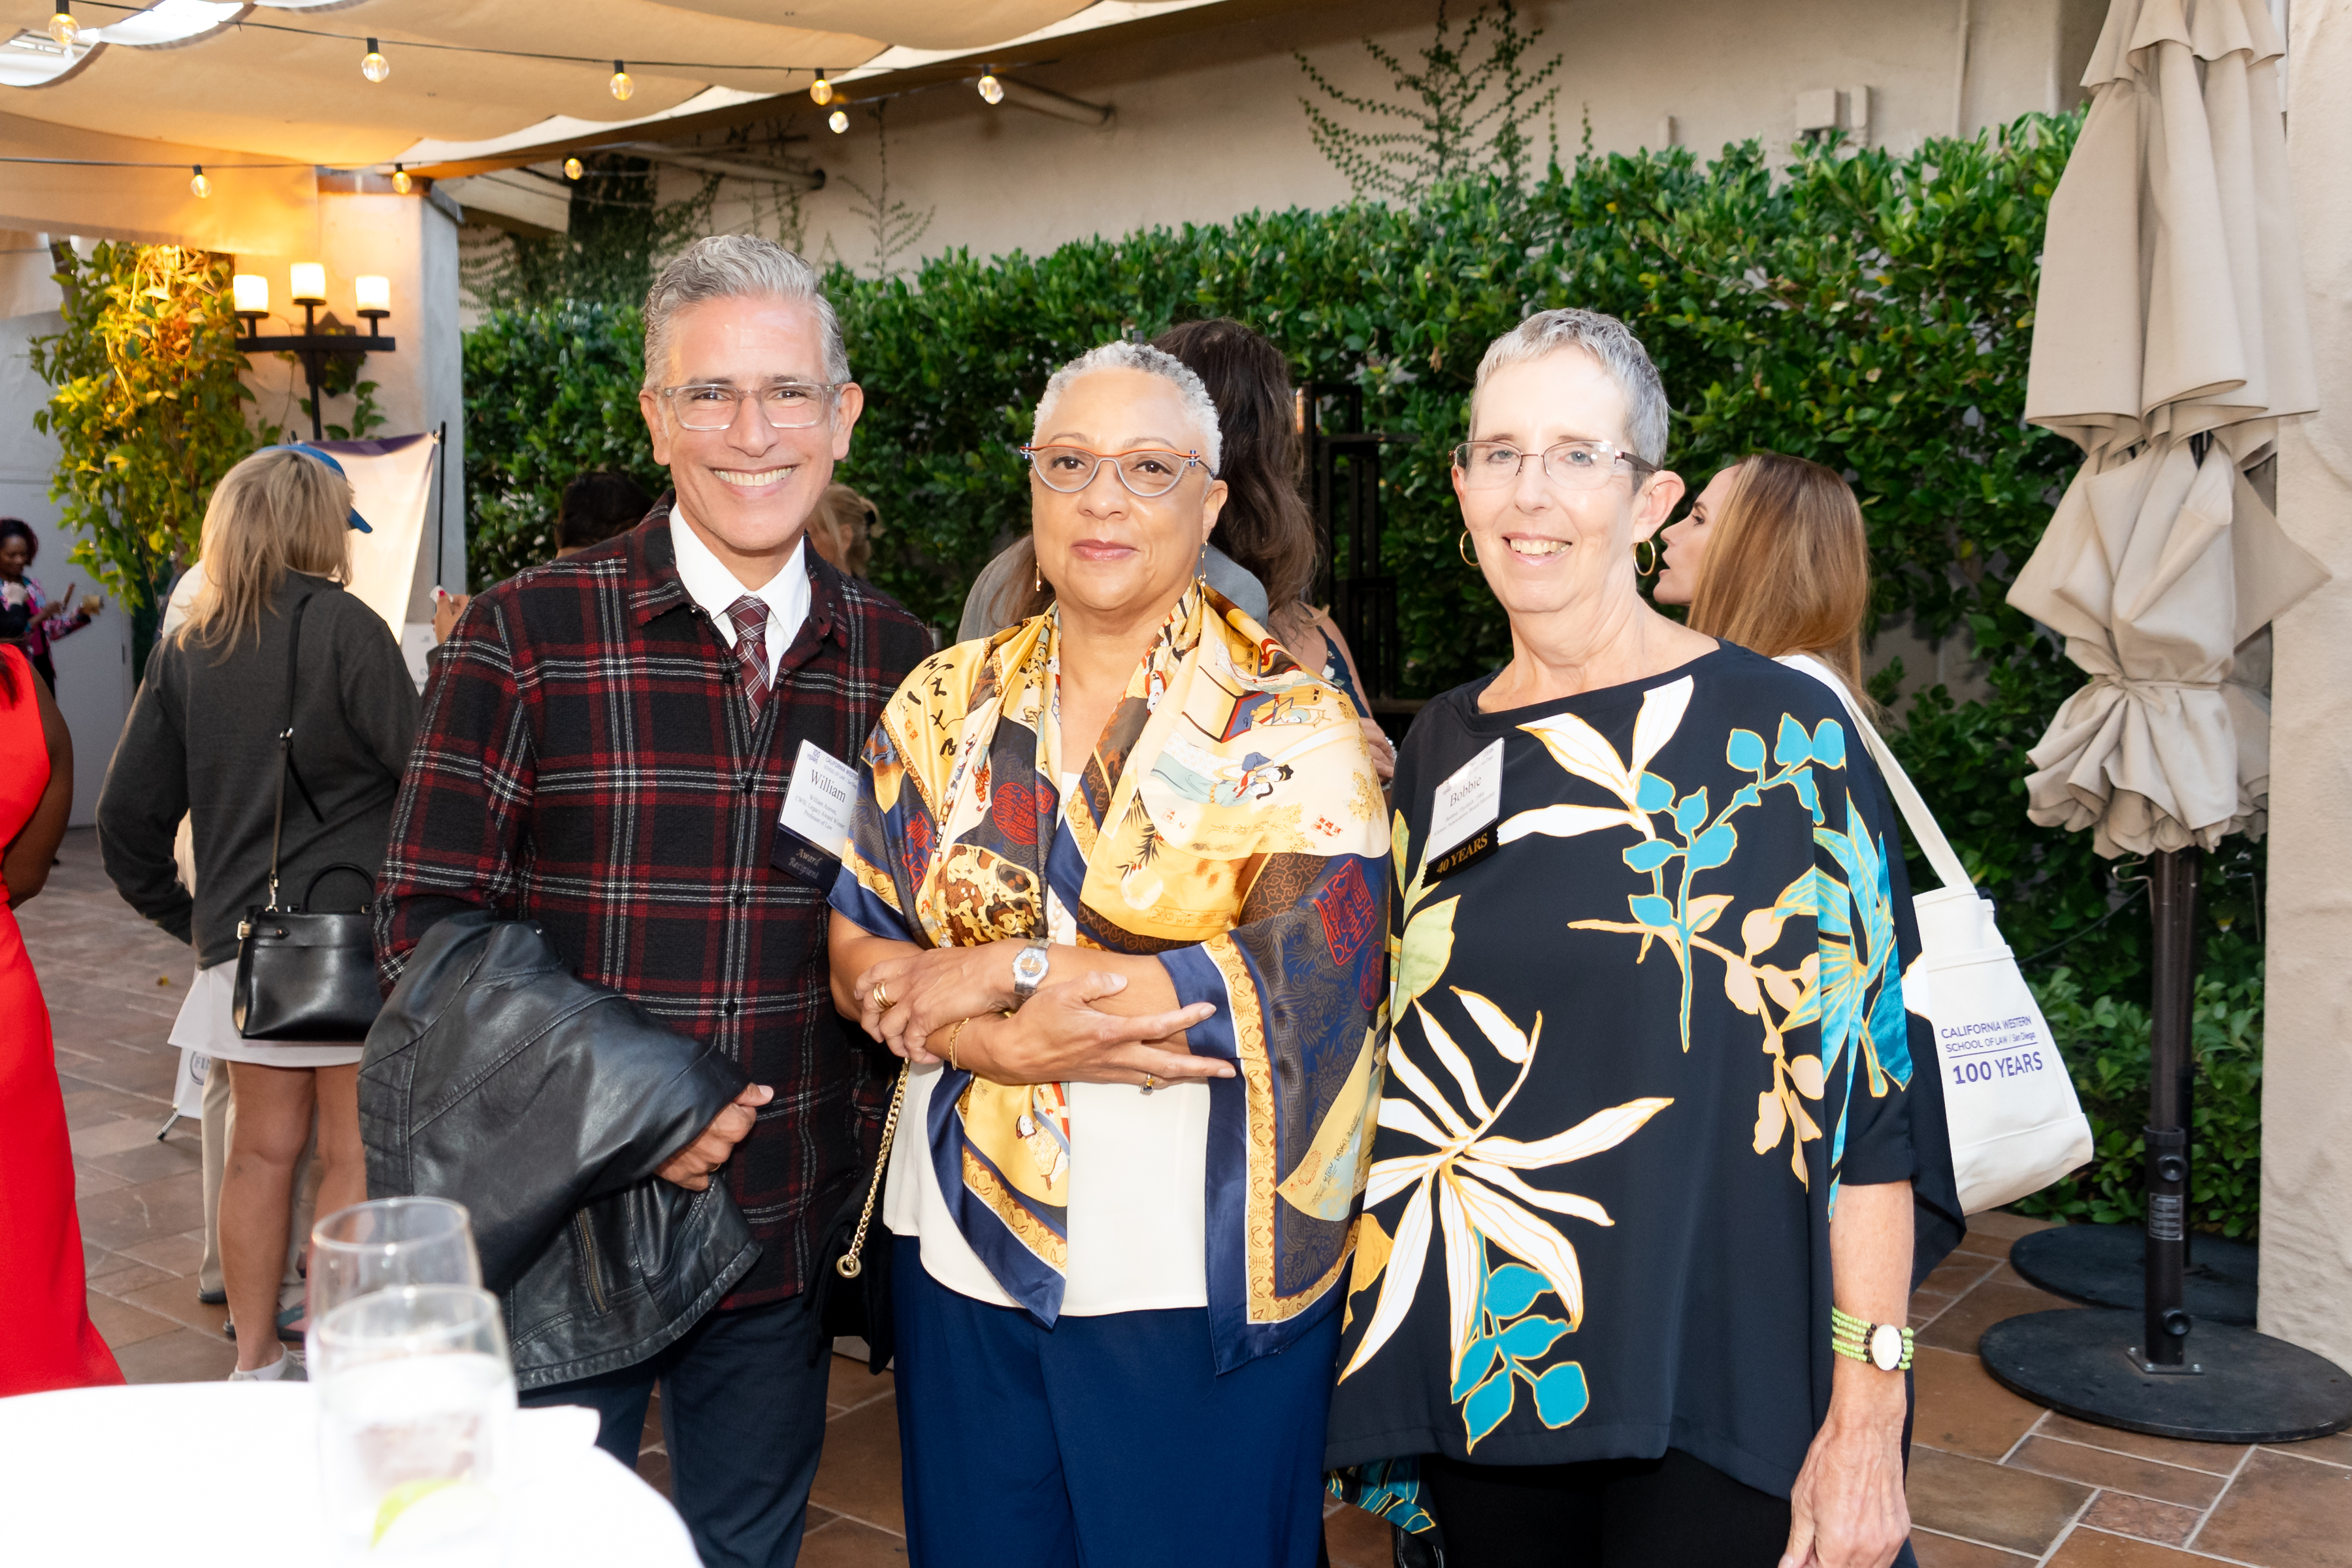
[1029, 967]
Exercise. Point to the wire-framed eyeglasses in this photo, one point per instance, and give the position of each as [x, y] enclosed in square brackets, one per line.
[1147, 472]
[1572, 464]
[786, 405]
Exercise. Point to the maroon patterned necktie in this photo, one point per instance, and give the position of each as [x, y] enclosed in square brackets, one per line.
[749, 614]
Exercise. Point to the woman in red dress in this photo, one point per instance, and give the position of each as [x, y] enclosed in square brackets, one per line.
[46, 1340]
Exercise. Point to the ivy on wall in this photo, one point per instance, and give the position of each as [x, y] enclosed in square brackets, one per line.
[148, 411]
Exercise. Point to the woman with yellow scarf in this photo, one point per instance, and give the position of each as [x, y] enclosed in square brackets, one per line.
[1115, 892]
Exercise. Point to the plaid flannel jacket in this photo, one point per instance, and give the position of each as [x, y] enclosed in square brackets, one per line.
[587, 761]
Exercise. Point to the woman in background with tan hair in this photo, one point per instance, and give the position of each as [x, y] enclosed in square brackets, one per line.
[1774, 557]
[203, 738]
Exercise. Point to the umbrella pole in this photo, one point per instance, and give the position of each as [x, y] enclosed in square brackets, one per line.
[2173, 896]
[2130, 1368]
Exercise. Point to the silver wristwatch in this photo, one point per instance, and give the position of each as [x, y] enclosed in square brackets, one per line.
[1029, 967]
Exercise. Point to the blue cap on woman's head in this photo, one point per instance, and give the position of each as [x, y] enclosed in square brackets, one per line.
[307, 450]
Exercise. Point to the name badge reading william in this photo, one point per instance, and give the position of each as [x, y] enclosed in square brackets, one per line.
[813, 830]
[1465, 815]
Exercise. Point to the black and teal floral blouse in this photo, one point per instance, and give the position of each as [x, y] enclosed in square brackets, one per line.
[1635, 1052]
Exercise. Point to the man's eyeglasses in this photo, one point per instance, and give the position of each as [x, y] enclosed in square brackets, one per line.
[1147, 472]
[1572, 464]
[786, 405]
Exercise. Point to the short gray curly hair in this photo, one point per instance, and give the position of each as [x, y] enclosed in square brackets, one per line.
[736, 267]
[1613, 347]
[1123, 355]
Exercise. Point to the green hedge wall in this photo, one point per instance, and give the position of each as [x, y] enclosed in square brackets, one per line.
[1870, 310]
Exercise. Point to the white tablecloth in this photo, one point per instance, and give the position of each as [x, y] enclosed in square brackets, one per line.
[197, 1473]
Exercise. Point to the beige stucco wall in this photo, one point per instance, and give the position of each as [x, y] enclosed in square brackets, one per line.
[1209, 125]
[2306, 1294]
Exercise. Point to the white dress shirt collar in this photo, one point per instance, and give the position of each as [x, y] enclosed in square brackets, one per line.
[715, 588]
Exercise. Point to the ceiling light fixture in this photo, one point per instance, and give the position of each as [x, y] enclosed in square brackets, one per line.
[64, 28]
[573, 168]
[820, 91]
[402, 183]
[373, 65]
[991, 89]
[199, 186]
[838, 120]
[622, 85]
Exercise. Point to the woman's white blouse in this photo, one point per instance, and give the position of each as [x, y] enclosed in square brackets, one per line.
[1138, 1214]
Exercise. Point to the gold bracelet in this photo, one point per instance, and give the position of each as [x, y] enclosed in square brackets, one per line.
[959, 1023]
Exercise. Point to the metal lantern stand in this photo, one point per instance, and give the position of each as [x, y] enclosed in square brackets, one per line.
[2158, 1370]
[313, 346]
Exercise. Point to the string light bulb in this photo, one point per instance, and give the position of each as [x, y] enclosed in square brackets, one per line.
[838, 120]
[820, 91]
[622, 85]
[991, 89]
[573, 168]
[373, 65]
[401, 179]
[199, 186]
[68, 32]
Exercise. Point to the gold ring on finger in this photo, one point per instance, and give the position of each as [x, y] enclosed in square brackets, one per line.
[881, 997]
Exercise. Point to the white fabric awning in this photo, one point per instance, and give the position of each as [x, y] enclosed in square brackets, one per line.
[473, 84]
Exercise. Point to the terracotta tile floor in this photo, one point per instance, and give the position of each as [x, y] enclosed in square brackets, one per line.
[1996, 1483]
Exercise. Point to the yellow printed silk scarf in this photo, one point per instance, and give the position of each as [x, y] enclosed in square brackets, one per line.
[1227, 821]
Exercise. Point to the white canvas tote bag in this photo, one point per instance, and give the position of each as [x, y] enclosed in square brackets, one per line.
[2016, 1124]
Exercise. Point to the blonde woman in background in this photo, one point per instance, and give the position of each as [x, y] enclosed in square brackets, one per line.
[842, 528]
[202, 740]
[1775, 558]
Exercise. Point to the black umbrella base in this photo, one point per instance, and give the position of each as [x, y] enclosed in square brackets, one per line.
[2252, 1388]
[2105, 1265]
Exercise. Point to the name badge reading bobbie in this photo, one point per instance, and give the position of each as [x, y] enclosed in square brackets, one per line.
[1467, 814]
[813, 830]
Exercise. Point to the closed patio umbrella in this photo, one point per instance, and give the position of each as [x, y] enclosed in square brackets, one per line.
[2169, 339]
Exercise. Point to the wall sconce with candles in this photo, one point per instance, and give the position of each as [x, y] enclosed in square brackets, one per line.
[309, 280]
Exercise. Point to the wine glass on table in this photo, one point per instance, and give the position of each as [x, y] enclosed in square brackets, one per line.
[383, 1244]
[416, 1401]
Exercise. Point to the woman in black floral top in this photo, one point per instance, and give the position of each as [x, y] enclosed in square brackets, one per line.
[1654, 1107]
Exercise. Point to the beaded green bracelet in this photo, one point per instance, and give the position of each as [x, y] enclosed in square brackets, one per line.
[1886, 1346]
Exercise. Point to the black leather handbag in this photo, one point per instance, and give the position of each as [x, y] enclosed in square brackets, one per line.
[303, 975]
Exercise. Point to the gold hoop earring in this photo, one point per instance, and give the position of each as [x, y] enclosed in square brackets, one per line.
[1036, 578]
[1463, 548]
[1652, 546]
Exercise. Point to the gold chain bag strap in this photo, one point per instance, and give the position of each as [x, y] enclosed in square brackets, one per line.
[851, 1263]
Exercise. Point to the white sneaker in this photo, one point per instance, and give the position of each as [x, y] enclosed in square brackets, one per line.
[287, 1368]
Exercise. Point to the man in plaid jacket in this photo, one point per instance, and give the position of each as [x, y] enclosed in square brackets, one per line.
[607, 742]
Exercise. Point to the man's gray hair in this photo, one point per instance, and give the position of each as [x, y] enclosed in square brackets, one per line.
[1613, 347]
[736, 267]
[1125, 355]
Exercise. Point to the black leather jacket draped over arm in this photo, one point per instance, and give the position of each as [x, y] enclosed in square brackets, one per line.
[545, 1104]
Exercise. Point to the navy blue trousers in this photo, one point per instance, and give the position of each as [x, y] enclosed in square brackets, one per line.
[744, 1419]
[1103, 1442]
